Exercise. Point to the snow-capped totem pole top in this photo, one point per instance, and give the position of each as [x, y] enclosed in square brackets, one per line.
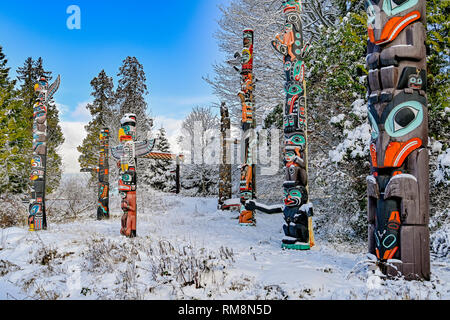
[127, 131]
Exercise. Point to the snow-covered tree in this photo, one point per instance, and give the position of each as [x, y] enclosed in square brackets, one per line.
[201, 145]
[131, 92]
[159, 175]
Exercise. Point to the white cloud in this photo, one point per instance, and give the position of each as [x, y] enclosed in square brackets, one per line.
[74, 133]
[173, 130]
[81, 113]
[183, 101]
[62, 108]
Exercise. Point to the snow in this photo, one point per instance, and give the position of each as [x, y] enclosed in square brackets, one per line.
[403, 176]
[442, 173]
[355, 144]
[233, 201]
[187, 249]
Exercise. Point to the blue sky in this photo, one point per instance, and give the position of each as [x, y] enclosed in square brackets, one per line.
[172, 39]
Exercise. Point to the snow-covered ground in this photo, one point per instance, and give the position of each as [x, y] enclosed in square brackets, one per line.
[187, 249]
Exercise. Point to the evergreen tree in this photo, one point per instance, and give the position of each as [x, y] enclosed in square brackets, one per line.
[438, 89]
[15, 140]
[159, 176]
[101, 111]
[130, 94]
[5, 82]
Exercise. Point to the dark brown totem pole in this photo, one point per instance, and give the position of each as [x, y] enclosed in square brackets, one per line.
[225, 191]
[247, 182]
[103, 176]
[398, 187]
[37, 219]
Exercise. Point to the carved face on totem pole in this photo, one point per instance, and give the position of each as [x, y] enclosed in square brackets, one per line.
[294, 196]
[128, 127]
[292, 5]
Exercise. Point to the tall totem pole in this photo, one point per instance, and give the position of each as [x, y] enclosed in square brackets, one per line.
[37, 219]
[247, 182]
[225, 191]
[127, 154]
[297, 211]
[103, 176]
[398, 187]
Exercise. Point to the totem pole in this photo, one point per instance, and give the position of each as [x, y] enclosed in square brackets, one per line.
[247, 183]
[127, 154]
[103, 176]
[225, 191]
[297, 210]
[398, 187]
[37, 219]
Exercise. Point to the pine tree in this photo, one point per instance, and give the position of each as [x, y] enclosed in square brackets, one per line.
[15, 140]
[5, 82]
[101, 111]
[438, 88]
[159, 176]
[130, 94]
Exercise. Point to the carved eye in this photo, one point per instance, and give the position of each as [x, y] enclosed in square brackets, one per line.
[413, 80]
[404, 118]
[295, 193]
[297, 139]
[395, 3]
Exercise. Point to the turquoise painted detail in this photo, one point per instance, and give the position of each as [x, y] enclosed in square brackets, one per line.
[375, 131]
[296, 246]
[294, 90]
[392, 9]
[392, 241]
[395, 130]
[297, 139]
[377, 239]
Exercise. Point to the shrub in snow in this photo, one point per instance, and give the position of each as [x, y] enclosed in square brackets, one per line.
[442, 173]
[440, 242]
[12, 211]
[354, 146]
